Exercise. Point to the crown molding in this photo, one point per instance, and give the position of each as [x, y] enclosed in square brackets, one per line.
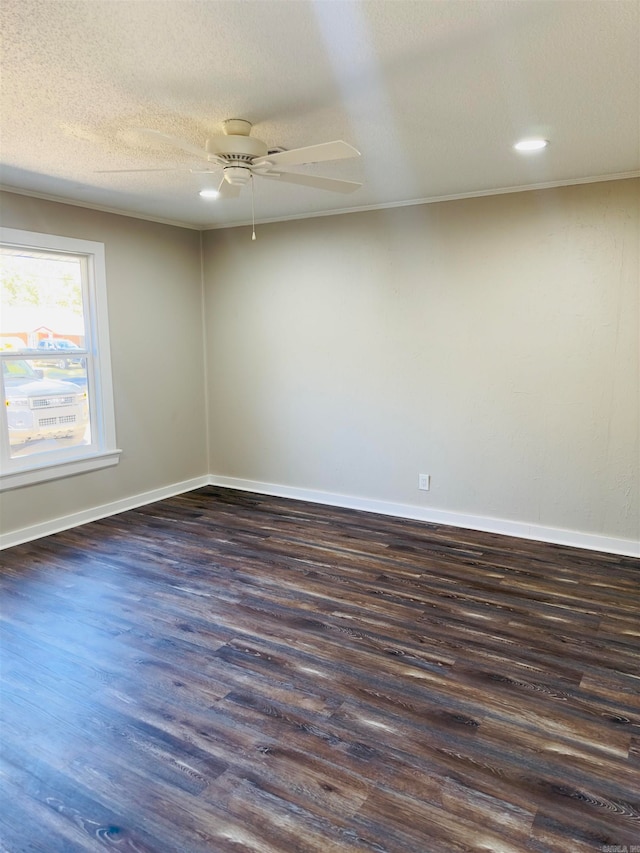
[242, 223]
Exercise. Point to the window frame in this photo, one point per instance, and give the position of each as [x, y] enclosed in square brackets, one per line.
[102, 452]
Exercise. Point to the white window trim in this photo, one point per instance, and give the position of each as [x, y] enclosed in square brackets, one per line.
[103, 451]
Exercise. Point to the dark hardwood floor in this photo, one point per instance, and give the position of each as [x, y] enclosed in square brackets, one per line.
[234, 673]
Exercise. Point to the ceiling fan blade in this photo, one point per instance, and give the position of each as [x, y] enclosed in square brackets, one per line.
[176, 141]
[316, 181]
[228, 190]
[337, 150]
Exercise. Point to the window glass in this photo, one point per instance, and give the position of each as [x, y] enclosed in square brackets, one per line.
[56, 381]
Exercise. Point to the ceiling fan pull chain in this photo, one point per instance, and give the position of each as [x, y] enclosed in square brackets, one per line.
[253, 211]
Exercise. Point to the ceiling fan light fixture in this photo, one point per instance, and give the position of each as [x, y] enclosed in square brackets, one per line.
[209, 193]
[237, 175]
[529, 145]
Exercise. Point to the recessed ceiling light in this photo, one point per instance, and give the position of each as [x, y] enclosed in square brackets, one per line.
[209, 193]
[531, 144]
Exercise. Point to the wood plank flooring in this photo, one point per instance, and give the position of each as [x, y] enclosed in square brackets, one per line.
[227, 672]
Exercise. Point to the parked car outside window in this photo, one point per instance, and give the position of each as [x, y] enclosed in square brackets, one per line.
[39, 408]
[62, 344]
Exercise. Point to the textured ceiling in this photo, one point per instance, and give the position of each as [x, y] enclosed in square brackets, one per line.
[433, 94]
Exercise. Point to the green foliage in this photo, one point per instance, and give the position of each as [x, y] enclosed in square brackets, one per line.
[17, 289]
[44, 287]
[70, 295]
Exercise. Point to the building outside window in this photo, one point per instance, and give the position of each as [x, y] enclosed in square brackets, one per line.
[58, 416]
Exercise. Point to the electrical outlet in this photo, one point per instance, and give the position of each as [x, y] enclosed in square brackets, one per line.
[424, 482]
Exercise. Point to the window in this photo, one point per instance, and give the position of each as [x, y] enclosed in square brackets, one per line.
[54, 350]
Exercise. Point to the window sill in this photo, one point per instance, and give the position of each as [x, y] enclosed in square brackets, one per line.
[58, 470]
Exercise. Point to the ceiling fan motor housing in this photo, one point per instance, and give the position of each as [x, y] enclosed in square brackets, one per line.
[236, 146]
[235, 150]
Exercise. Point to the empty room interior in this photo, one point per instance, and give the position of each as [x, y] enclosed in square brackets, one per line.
[320, 505]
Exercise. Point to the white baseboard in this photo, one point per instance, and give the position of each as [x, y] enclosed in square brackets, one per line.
[57, 525]
[521, 530]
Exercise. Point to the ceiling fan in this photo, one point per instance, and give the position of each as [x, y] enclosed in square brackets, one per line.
[243, 157]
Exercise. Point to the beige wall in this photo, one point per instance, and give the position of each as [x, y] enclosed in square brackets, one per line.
[154, 295]
[490, 342]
